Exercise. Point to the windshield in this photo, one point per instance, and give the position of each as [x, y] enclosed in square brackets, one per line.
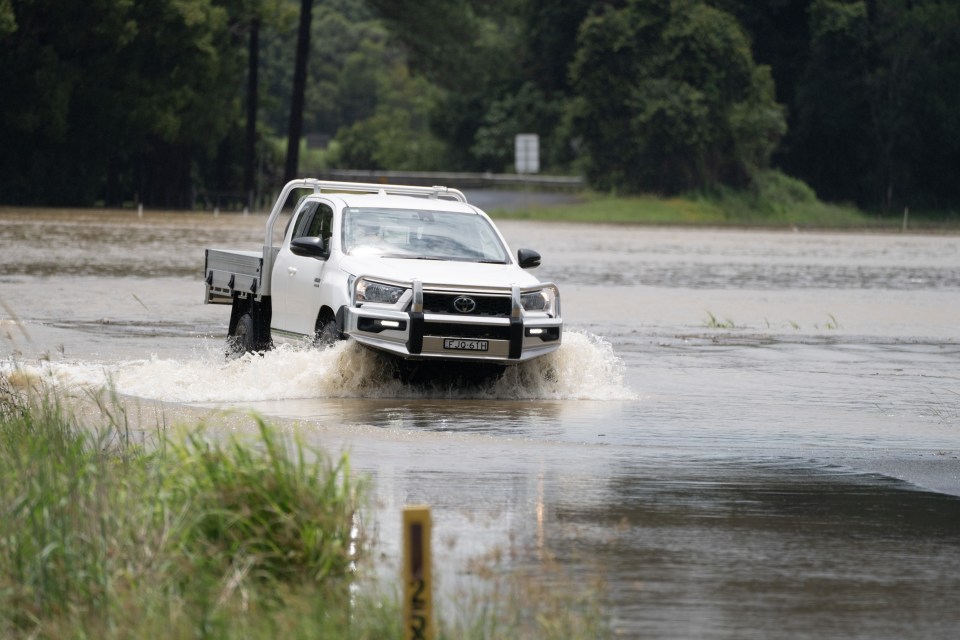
[424, 235]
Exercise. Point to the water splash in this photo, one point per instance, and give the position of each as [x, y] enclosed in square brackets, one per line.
[584, 368]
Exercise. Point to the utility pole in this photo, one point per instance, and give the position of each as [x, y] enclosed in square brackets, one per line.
[295, 131]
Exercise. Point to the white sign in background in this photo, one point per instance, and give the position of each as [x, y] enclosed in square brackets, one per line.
[527, 153]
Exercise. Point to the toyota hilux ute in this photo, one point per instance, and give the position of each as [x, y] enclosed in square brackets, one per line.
[416, 272]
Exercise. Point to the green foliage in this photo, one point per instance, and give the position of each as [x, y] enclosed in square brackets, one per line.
[115, 95]
[8, 20]
[550, 33]
[103, 538]
[669, 99]
[833, 114]
[523, 111]
[774, 200]
[347, 48]
[468, 50]
[639, 209]
[459, 45]
[867, 86]
[712, 322]
[54, 532]
[210, 536]
[144, 99]
[397, 136]
[284, 514]
[360, 93]
[388, 140]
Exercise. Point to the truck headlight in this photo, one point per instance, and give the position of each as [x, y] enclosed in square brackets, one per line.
[370, 291]
[544, 300]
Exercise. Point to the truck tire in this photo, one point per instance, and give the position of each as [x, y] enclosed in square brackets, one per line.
[326, 333]
[244, 338]
[249, 330]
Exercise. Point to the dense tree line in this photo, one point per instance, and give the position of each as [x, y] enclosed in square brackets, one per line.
[151, 100]
[108, 99]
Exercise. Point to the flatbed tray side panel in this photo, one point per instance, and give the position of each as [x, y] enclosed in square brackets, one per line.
[246, 263]
[229, 271]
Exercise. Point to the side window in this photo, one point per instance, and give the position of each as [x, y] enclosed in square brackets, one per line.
[322, 224]
[304, 220]
[316, 220]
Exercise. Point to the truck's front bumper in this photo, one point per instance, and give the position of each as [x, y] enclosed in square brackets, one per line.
[418, 334]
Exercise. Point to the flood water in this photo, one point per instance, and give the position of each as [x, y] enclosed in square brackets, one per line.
[746, 434]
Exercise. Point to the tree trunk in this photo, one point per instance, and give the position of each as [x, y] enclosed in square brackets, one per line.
[295, 130]
[250, 154]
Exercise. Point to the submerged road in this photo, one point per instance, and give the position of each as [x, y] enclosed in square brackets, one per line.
[747, 434]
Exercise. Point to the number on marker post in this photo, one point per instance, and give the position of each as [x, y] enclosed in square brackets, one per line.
[417, 587]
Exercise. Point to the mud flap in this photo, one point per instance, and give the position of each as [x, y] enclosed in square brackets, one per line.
[261, 312]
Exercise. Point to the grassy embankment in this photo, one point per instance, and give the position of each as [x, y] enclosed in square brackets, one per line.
[776, 201]
[205, 537]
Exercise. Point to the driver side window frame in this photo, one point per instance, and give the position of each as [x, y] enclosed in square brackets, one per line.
[315, 219]
[304, 220]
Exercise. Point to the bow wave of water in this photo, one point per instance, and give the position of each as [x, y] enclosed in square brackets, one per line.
[584, 368]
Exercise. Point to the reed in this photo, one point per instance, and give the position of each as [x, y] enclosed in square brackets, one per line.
[545, 601]
[104, 537]
[283, 511]
[194, 534]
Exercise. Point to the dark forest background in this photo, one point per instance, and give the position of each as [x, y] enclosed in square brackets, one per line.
[171, 102]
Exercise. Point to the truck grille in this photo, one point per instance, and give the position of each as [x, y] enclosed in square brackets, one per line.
[456, 330]
[496, 306]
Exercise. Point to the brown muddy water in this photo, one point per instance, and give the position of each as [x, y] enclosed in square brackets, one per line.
[747, 434]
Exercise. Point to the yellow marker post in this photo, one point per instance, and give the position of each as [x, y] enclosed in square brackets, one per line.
[417, 579]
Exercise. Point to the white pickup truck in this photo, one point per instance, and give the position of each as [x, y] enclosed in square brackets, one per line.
[416, 272]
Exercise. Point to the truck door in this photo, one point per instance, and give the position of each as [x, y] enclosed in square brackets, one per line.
[296, 279]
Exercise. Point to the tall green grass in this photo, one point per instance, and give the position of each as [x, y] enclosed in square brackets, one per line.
[774, 200]
[191, 537]
[188, 535]
[778, 200]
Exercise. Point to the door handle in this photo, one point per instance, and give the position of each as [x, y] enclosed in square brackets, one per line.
[292, 271]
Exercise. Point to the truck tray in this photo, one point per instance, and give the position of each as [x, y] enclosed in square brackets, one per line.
[230, 272]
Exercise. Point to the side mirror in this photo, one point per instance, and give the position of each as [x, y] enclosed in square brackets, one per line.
[310, 247]
[528, 258]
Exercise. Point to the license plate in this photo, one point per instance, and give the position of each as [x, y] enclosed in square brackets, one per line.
[466, 345]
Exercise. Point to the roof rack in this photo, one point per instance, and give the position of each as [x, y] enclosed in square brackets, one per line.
[320, 186]
[434, 192]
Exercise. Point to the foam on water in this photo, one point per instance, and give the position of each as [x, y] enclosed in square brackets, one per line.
[584, 368]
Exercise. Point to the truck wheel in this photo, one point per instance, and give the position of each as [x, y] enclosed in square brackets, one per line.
[244, 338]
[326, 334]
